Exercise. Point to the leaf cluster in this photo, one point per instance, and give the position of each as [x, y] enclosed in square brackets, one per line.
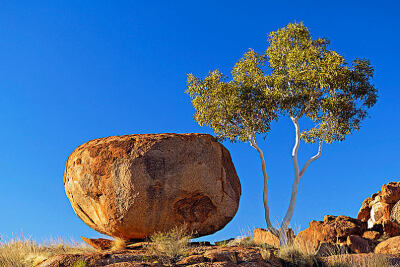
[296, 76]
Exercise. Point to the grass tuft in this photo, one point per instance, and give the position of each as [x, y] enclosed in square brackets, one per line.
[118, 244]
[170, 246]
[298, 256]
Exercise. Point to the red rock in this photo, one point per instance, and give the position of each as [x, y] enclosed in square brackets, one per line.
[134, 185]
[261, 236]
[391, 228]
[358, 244]
[365, 210]
[391, 192]
[371, 235]
[193, 259]
[389, 246]
[99, 243]
[334, 229]
[378, 210]
[220, 255]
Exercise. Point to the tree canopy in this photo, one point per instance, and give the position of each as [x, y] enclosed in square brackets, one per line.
[296, 76]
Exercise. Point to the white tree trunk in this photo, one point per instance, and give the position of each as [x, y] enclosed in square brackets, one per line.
[297, 176]
[282, 232]
[253, 143]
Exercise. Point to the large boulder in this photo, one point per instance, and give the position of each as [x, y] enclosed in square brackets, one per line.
[378, 210]
[134, 185]
[389, 246]
[333, 230]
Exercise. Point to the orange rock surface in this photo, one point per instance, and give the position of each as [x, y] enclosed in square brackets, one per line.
[134, 185]
[334, 230]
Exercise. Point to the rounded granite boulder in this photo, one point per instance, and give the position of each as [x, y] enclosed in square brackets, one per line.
[132, 186]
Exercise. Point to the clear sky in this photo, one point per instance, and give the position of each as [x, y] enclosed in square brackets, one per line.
[72, 71]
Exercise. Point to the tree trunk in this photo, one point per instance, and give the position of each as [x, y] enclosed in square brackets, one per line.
[297, 176]
[282, 232]
[253, 143]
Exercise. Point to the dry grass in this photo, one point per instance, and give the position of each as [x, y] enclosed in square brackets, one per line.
[350, 260]
[118, 244]
[170, 246]
[298, 256]
[25, 252]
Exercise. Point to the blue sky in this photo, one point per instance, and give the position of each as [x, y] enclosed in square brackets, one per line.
[72, 71]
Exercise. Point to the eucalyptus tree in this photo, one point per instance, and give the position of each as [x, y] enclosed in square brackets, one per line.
[298, 77]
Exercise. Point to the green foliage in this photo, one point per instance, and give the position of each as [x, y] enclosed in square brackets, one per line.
[238, 108]
[297, 76]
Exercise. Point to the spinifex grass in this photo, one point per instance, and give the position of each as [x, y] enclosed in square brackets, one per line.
[26, 252]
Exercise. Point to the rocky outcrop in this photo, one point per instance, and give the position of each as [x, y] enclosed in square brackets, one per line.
[334, 230]
[378, 210]
[134, 185]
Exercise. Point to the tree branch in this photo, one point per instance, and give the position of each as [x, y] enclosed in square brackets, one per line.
[296, 144]
[316, 156]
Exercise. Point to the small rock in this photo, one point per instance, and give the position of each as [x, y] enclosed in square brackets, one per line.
[371, 235]
[137, 245]
[98, 243]
[249, 255]
[193, 259]
[217, 255]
